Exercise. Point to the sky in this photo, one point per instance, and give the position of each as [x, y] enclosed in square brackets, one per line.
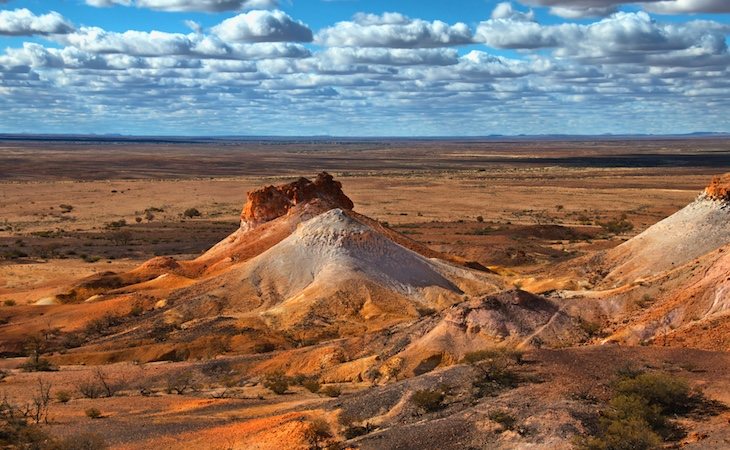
[364, 67]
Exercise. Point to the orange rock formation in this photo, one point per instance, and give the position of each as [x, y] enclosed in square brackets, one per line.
[270, 202]
[719, 188]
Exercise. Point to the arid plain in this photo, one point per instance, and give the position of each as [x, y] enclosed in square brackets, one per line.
[532, 226]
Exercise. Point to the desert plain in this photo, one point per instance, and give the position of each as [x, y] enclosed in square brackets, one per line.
[185, 358]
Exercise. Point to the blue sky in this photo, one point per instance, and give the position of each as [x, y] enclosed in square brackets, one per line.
[364, 67]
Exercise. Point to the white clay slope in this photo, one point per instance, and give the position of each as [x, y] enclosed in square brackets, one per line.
[699, 228]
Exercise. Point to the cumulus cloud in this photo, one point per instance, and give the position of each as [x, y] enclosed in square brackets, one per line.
[377, 74]
[689, 6]
[157, 43]
[188, 5]
[339, 56]
[505, 10]
[393, 30]
[22, 22]
[263, 26]
[598, 8]
[623, 37]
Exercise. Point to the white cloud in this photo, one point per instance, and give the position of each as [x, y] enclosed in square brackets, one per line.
[623, 37]
[263, 26]
[599, 8]
[22, 22]
[393, 30]
[157, 43]
[188, 5]
[689, 6]
[505, 10]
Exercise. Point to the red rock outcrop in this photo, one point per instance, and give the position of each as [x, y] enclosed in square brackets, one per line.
[270, 202]
[719, 188]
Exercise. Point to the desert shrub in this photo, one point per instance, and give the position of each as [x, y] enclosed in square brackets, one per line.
[638, 413]
[37, 364]
[99, 385]
[102, 325]
[191, 212]
[160, 330]
[16, 432]
[3, 374]
[9, 302]
[86, 441]
[90, 389]
[429, 400]
[331, 391]
[312, 385]
[590, 328]
[276, 382]
[264, 347]
[670, 393]
[136, 310]
[63, 396]
[503, 418]
[631, 434]
[502, 353]
[181, 382]
[65, 208]
[496, 369]
[217, 368]
[617, 226]
[319, 431]
[72, 340]
[93, 413]
[34, 347]
[480, 219]
[116, 224]
[353, 431]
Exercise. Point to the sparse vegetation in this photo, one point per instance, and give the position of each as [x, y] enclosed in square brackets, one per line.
[331, 391]
[276, 382]
[181, 382]
[93, 413]
[99, 385]
[617, 226]
[9, 302]
[505, 419]
[496, 369]
[429, 400]
[35, 346]
[312, 385]
[63, 396]
[191, 213]
[639, 414]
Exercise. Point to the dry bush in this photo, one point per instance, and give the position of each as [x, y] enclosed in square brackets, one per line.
[93, 413]
[276, 382]
[331, 391]
[87, 441]
[429, 400]
[100, 385]
[181, 382]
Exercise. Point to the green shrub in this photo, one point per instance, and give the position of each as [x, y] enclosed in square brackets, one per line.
[630, 434]
[429, 400]
[276, 382]
[670, 393]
